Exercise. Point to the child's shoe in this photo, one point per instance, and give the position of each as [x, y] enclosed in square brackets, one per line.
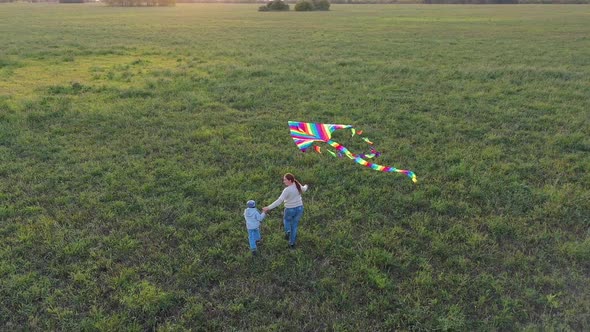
[254, 252]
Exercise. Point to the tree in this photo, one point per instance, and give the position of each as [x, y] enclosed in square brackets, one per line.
[276, 5]
[303, 6]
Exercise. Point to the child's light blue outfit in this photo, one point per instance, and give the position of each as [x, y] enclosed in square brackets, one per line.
[253, 218]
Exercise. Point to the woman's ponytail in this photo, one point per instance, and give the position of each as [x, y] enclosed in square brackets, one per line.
[291, 178]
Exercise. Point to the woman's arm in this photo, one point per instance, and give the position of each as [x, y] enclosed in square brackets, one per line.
[276, 203]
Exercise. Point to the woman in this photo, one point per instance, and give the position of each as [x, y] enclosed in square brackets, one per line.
[291, 196]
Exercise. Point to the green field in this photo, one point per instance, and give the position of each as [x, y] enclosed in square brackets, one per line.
[131, 138]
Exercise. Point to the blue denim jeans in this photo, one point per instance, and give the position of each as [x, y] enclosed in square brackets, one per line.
[291, 219]
[253, 236]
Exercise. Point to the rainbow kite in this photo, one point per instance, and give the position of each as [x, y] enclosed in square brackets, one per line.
[305, 133]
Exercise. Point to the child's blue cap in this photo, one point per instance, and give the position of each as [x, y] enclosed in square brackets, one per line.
[251, 204]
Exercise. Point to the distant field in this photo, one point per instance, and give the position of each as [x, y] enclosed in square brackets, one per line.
[131, 138]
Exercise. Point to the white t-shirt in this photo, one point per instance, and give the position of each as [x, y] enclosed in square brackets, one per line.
[290, 196]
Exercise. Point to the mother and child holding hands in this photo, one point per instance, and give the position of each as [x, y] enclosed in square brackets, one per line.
[291, 196]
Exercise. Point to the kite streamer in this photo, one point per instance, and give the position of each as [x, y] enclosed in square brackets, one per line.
[304, 134]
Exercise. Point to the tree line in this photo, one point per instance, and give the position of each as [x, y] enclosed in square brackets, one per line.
[122, 3]
[406, 1]
[138, 3]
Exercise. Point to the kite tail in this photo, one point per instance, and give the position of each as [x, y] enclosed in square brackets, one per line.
[361, 161]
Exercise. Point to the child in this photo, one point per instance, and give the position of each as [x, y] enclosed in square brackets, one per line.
[253, 219]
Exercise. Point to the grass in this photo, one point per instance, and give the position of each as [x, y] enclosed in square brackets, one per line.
[131, 138]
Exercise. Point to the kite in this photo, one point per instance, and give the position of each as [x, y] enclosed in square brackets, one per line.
[304, 134]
